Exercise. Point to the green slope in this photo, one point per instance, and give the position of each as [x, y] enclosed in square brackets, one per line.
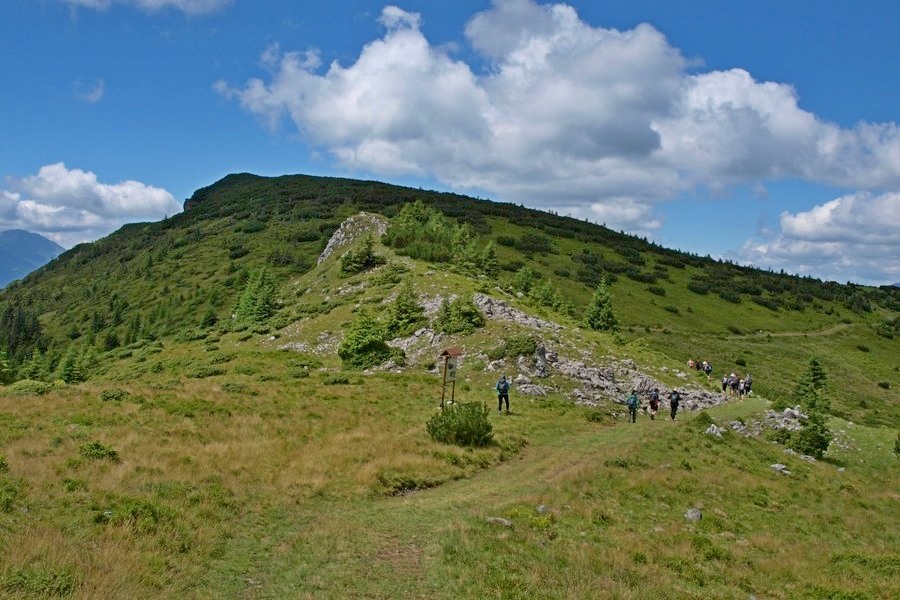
[203, 462]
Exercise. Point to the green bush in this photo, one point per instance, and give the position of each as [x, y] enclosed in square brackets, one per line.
[885, 385]
[458, 316]
[98, 451]
[38, 583]
[364, 344]
[463, 424]
[28, 387]
[514, 346]
[4, 465]
[114, 395]
[9, 490]
[813, 439]
[362, 259]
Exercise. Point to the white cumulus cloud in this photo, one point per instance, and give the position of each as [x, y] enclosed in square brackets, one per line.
[852, 238]
[191, 7]
[71, 206]
[598, 122]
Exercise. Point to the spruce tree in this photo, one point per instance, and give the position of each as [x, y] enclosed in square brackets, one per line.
[405, 313]
[600, 315]
[363, 346]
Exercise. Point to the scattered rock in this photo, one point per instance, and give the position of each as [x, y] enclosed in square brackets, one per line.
[499, 521]
[693, 514]
[780, 468]
[493, 308]
[531, 389]
[715, 430]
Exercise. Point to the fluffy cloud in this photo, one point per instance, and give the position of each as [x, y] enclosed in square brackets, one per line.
[852, 238]
[71, 206]
[602, 123]
[191, 7]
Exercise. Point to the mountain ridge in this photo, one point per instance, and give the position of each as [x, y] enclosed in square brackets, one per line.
[21, 252]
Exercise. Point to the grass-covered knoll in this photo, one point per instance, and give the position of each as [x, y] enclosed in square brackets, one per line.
[275, 479]
[165, 280]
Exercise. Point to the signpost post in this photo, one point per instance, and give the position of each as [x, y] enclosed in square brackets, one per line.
[450, 356]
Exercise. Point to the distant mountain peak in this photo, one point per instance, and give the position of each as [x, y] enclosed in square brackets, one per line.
[22, 252]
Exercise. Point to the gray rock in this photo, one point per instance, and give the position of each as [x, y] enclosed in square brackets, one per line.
[715, 430]
[780, 468]
[693, 514]
[499, 310]
[351, 229]
[499, 521]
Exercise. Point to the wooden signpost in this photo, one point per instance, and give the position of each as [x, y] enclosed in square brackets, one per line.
[450, 356]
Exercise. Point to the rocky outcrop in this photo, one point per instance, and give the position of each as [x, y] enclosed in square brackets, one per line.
[493, 308]
[351, 229]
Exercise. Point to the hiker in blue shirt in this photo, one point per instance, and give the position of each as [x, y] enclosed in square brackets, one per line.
[632, 402]
[502, 394]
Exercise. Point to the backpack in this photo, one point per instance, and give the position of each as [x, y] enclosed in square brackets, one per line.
[503, 387]
[632, 401]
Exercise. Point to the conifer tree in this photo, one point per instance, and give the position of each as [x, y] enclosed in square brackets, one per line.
[600, 315]
[7, 375]
[490, 266]
[363, 346]
[405, 313]
[257, 302]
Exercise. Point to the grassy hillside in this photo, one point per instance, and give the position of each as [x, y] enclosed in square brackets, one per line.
[199, 459]
[158, 280]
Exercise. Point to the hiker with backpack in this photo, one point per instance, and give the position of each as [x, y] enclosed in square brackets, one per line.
[654, 404]
[674, 401]
[502, 394]
[748, 384]
[632, 402]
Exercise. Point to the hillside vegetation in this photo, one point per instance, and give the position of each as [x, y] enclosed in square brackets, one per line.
[204, 408]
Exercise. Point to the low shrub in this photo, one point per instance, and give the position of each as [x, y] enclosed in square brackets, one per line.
[885, 385]
[862, 348]
[463, 424]
[113, 395]
[39, 582]
[9, 491]
[656, 290]
[28, 387]
[98, 451]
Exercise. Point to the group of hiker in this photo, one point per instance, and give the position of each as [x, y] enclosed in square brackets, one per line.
[737, 386]
[633, 402]
[732, 384]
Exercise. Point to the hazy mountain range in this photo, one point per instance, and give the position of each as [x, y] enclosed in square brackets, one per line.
[21, 252]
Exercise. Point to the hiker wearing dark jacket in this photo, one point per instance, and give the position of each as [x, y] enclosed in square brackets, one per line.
[674, 401]
[502, 394]
[654, 403]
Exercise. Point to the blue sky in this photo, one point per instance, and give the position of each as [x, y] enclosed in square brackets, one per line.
[764, 132]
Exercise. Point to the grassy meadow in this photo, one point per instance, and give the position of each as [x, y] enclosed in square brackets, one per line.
[198, 460]
[296, 488]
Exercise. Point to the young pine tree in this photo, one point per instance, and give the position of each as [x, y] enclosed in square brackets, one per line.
[405, 313]
[600, 315]
[363, 346]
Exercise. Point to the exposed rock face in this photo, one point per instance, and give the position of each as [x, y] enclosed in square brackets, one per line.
[351, 229]
[493, 308]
